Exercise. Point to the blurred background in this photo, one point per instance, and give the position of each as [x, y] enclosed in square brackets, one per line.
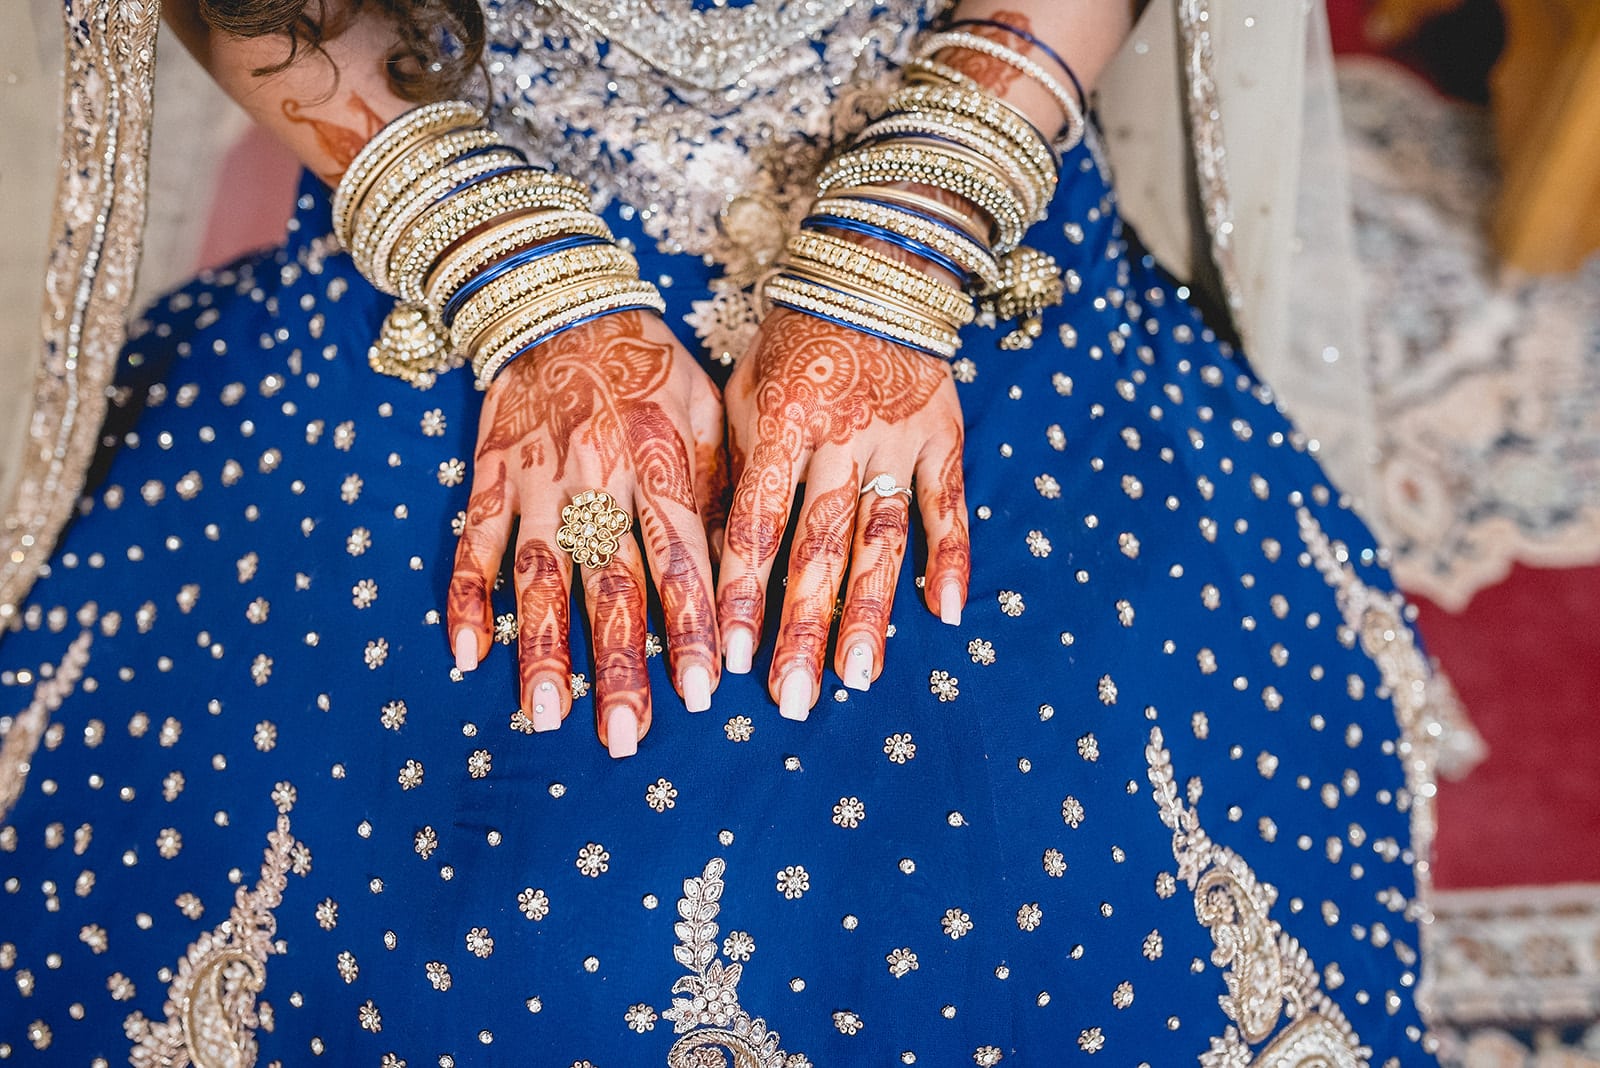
[1473, 135]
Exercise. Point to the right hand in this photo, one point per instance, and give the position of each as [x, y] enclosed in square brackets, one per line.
[618, 405]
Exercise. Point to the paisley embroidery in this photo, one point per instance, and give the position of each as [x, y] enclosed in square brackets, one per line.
[211, 1010]
[717, 1032]
[1269, 976]
[22, 739]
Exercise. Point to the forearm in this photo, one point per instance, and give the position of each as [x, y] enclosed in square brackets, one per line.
[325, 105]
[1086, 34]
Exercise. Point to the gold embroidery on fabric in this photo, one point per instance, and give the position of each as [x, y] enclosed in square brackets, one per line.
[717, 1032]
[1378, 619]
[99, 216]
[211, 1010]
[22, 739]
[1269, 976]
[1206, 141]
[711, 125]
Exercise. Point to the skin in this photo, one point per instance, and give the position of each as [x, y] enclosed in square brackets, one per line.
[618, 404]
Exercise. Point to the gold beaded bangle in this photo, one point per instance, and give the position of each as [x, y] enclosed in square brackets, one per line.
[541, 306]
[838, 281]
[391, 184]
[969, 255]
[527, 280]
[1034, 187]
[905, 198]
[514, 233]
[376, 245]
[976, 103]
[971, 42]
[420, 249]
[532, 325]
[806, 296]
[1032, 154]
[931, 73]
[934, 165]
[394, 139]
[872, 269]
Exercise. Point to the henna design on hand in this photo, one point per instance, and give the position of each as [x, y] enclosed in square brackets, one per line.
[993, 74]
[816, 565]
[544, 616]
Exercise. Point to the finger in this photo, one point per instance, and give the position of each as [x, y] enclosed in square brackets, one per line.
[882, 524]
[757, 517]
[942, 503]
[675, 546]
[817, 564]
[614, 598]
[543, 577]
[469, 615]
[710, 465]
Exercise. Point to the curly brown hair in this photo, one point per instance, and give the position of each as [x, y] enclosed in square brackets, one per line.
[440, 42]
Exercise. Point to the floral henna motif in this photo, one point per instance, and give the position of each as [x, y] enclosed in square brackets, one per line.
[993, 74]
[543, 611]
[339, 144]
[816, 565]
[616, 615]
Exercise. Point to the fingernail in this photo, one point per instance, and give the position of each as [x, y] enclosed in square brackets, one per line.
[950, 604]
[740, 650]
[858, 667]
[696, 685]
[466, 649]
[546, 708]
[794, 696]
[622, 732]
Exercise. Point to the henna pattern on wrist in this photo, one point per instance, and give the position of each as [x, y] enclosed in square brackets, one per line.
[993, 74]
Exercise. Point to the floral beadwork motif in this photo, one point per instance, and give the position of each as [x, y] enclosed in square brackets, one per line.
[706, 1013]
[1269, 976]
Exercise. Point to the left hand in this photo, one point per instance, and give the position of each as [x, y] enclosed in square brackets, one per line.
[832, 407]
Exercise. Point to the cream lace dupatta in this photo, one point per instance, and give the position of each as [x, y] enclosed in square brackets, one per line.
[1236, 96]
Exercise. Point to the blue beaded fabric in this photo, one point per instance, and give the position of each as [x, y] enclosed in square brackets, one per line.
[1162, 794]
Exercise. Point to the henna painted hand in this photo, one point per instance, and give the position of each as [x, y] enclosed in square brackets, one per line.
[832, 407]
[616, 404]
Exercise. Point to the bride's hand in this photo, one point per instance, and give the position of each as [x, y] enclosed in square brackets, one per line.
[832, 407]
[615, 405]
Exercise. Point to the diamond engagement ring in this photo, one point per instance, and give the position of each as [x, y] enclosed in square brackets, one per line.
[592, 528]
[884, 485]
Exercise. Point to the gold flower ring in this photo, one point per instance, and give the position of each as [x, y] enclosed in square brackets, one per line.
[592, 528]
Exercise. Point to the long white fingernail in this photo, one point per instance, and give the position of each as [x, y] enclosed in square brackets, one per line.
[794, 696]
[858, 666]
[546, 708]
[466, 649]
[622, 732]
[739, 650]
[950, 604]
[696, 684]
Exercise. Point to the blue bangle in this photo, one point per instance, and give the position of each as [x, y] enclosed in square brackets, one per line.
[881, 233]
[1024, 35]
[479, 179]
[528, 255]
[853, 326]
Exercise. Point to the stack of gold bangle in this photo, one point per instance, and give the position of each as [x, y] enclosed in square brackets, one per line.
[488, 255]
[962, 145]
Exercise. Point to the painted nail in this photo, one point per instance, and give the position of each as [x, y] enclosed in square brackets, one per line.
[466, 649]
[622, 732]
[794, 696]
[950, 604]
[546, 708]
[696, 685]
[739, 650]
[858, 667]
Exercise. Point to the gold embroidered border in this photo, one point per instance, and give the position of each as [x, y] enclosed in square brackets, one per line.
[99, 217]
[22, 740]
[1269, 976]
[1206, 141]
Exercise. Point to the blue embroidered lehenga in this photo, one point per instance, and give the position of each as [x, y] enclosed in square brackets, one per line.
[1165, 793]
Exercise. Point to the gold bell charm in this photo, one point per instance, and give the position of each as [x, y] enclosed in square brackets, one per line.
[1030, 282]
[411, 347]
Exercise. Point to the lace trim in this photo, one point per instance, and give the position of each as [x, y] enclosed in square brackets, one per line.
[22, 739]
[100, 203]
[715, 1028]
[1269, 975]
[211, 1009]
